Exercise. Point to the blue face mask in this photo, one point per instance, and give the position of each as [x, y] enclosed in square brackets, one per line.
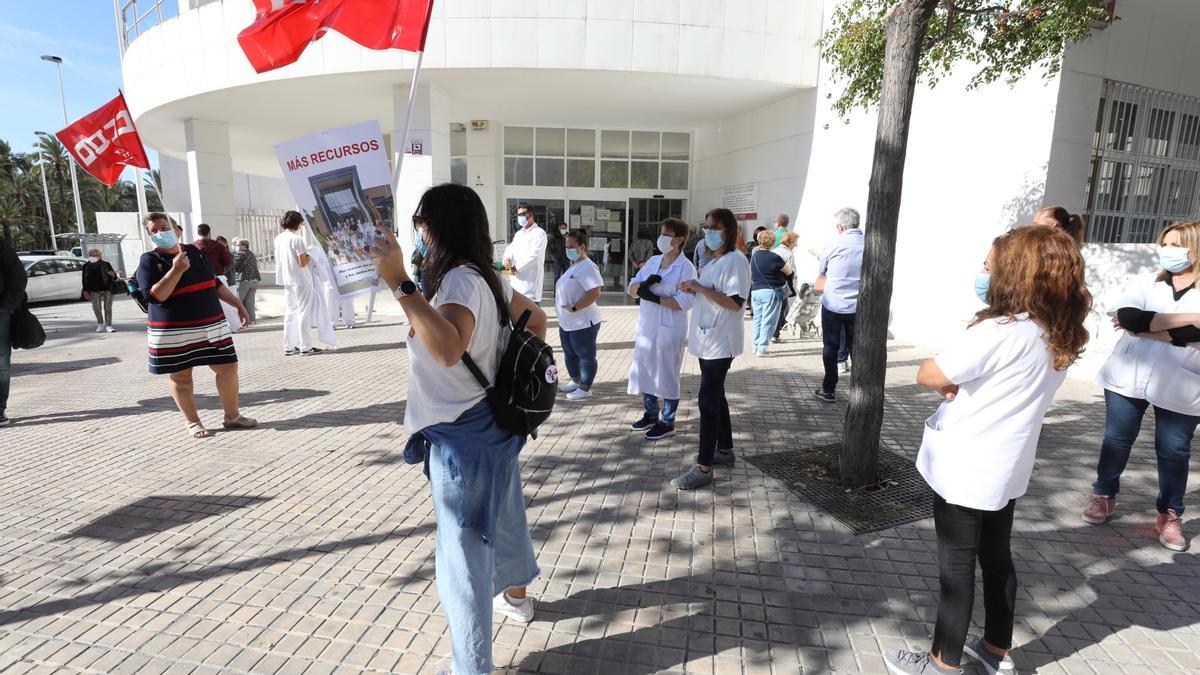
[1173, 258]
[572, 254]
[164, 239]
[713, 239]
[983, 281]
[422, 247]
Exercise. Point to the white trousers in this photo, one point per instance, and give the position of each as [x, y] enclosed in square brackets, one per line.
[298, 316]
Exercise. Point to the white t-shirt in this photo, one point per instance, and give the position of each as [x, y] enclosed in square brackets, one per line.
[785, 253]
[289, 246]
[579, 278]
[716, 332]
[438, 394]
[978, 449]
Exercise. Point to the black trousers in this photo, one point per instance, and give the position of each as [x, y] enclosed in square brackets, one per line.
[715, 429]
[832, 327]
[964, 536]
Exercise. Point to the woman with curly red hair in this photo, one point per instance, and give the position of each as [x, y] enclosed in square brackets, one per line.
[998, 379]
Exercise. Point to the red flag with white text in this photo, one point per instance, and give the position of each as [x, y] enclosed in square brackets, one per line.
[105, 142]
[284, 28]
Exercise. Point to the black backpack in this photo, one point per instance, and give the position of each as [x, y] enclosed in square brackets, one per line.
[526, 381]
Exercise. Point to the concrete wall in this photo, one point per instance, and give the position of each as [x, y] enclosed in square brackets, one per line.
[768, 147]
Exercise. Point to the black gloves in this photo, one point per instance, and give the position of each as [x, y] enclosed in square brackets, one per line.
[645, 293]
[652, 279]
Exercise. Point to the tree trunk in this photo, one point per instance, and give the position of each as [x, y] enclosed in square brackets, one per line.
[905, 26]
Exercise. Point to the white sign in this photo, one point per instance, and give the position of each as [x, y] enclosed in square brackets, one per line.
[341, 181]
[742, 200]
[588, 215]
[603, 214]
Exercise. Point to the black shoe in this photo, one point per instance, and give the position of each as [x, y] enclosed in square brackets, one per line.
[310, 352]
[721, 459]
[826, 396]
[643, 424]
[4, 421]
[660, 431]
[291, 352]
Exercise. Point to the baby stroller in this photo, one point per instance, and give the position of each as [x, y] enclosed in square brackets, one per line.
[803, 311]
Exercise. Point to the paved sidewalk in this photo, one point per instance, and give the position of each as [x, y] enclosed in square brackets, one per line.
[306, 546]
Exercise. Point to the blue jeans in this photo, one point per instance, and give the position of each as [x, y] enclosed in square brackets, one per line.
[670, 407]
[767, 302]
[471, 571]
[1172, 442]
[579, 354]
[5, 358]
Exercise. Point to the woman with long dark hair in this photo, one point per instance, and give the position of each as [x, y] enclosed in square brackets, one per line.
[715, 337]
[484, 555]
[998, 378]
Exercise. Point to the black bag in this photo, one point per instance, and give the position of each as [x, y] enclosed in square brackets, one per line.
[135, 292]
[526, 381]
[26, 331]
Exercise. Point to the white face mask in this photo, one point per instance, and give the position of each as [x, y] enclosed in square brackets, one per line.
[562, 230]
[522, 221]
[664, 243]
[93, 258]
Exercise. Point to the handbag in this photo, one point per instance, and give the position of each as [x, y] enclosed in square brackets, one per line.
[26, 331]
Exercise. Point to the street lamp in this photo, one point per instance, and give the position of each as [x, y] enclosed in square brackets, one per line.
[67, 121]
[46, 190]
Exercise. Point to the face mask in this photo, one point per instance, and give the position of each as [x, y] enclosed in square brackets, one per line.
[1173, 258]
[713, 239]
[983, 281]
[93, 258]
[562, 230]
[164, 239]
[664, 243]
[572, 254]
[522, 221]
[422, 247]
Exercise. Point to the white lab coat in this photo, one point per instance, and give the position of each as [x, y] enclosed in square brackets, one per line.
[661, 333]
[325, 295]
[527, 253]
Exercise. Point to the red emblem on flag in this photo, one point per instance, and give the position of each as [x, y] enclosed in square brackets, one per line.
[105, 142]
[284, 28]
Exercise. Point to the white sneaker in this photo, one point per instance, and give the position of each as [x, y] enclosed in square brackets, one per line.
[110, 329]
[569, 387]
[99, 328]
[578, 394]
[520, 611]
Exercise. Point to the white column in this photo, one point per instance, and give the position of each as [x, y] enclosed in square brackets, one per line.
[428, 150]
[210, 177]
[485, 173]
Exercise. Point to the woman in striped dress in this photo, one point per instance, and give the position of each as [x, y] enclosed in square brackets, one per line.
[186, 326]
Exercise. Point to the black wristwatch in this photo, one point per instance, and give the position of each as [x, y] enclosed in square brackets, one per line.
[406, 288]
[573, 310]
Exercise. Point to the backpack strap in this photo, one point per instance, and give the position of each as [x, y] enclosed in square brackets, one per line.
[505, 321]
[476, 372]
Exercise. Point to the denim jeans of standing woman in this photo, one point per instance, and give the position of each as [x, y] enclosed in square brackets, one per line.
[1172, 442]
[579, 354]
[767, 304]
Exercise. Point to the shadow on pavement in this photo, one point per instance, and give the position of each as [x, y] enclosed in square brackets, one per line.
[165, 403]
[55, 367]
[159, 513]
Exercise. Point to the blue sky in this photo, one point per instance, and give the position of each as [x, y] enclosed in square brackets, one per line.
[84, 34]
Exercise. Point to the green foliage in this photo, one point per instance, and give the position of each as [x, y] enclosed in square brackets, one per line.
[23, 204]
[1003, 38]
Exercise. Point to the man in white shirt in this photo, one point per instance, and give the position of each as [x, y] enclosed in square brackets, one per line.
[293, 274]
[525, 256]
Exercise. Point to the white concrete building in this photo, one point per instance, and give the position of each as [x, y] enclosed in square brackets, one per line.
[620, 112]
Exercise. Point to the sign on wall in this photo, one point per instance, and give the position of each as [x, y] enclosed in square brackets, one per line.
[742, 200]
[341, 180]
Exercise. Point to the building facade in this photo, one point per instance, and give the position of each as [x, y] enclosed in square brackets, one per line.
[612, 114]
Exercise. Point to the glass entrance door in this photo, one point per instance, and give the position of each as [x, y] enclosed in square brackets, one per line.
[608, 239]
[547, 213]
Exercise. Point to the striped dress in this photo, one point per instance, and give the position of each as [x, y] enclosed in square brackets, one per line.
[187, 329]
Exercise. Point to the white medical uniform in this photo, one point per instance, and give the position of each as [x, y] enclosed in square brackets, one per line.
[527, 253]
[325, 296]
[661, 333]
[297, 283]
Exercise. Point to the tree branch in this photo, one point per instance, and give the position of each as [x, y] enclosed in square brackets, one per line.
[982, 10]
[950, 12]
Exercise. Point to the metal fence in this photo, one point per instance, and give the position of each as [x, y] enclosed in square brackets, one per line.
[1145, 164]
[260, 227]
[135, 17]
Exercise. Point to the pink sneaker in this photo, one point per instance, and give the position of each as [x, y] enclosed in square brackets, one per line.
[1100, 509]
[1170, 531]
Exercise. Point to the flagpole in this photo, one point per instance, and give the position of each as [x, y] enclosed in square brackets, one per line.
[400, 148]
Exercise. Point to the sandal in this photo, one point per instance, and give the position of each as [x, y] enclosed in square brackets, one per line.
[197, 430]
[240, 422]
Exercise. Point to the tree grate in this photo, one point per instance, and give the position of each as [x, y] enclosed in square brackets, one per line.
[900, 497]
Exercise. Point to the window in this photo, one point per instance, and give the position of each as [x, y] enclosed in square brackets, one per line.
[1145, 164]
[606, 158]
[458, 153]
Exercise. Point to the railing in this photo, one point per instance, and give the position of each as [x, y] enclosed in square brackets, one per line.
[260, 228]
[135, 17]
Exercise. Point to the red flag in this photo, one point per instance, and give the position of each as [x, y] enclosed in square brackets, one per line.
[284, 28]
[105, 142]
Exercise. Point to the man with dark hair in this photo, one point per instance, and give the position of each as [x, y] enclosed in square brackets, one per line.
[217, 254]
[525, 255]
[12, 294]
[293, 274]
